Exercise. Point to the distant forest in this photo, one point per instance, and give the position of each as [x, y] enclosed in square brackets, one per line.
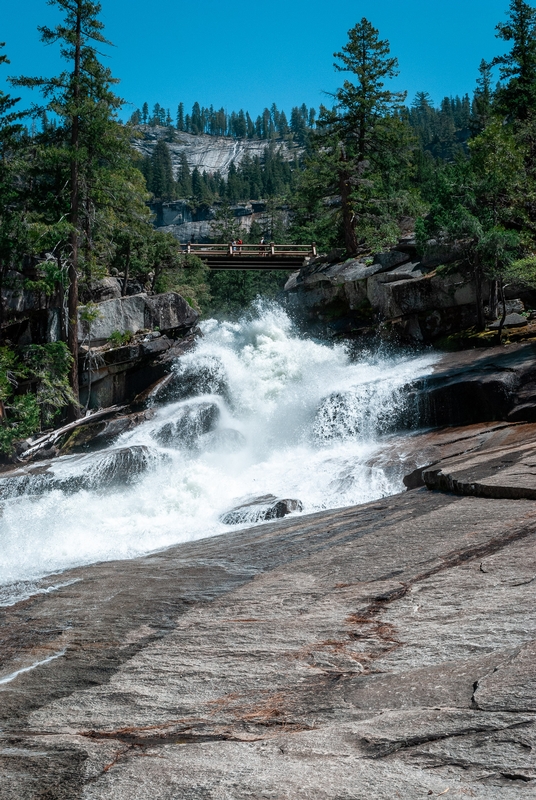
[441, 129]
[443, 132]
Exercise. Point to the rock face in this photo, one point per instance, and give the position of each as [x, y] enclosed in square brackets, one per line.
[208, 153]
[371, 652]
[481, 385]
[119, 373]
[413, 299]
[163, 312]
[261, 508]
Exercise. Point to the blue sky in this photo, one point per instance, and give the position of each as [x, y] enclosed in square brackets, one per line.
[248, 55]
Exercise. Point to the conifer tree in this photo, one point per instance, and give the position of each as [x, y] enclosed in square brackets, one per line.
[162, 184]
[81, 96]
[180, 117]
[145, 113]
[363, 120]
[518, 67]
[11, 228]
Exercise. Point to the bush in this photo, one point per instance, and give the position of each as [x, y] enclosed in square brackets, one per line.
[34, 387]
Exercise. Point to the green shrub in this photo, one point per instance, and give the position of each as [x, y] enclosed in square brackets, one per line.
[34, 387]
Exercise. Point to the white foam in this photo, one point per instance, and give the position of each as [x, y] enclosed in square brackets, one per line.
[304, 418]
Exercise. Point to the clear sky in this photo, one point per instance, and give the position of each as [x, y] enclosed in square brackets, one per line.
[248, 55]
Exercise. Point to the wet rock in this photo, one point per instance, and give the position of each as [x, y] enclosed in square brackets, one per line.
[479, 385]
[191, 421]
[261, 508]
[506, 472]
[100, 434]
[353, 653]
[205, 376]
[118, 467]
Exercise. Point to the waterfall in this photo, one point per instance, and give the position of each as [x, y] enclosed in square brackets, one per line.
[255, 410]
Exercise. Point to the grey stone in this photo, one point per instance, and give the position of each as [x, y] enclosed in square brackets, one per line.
[334, 655]
[106, 289]
[391, 259]
[167, 312]
[261, 508]
[510, 321]
[72, 473]
[192, 421]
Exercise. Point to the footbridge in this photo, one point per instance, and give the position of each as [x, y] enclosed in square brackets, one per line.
[253, 256]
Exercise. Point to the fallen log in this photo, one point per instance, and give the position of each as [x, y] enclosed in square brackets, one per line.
[52, 437]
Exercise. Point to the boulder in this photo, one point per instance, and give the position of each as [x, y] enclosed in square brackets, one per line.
[100, 434]
[169, 312]
[262, 508]
[391, 259]
[510, 321]
[114, 468]
[192, 421]
[166, 312]
[106, 289]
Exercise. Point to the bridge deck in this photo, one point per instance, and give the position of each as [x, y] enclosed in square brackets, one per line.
[253, 256]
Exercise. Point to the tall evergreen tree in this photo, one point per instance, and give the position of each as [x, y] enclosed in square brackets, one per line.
[363, 120]
[11, 224]
[180, 117]
[517, 97]
[82, 97]
[162, 183]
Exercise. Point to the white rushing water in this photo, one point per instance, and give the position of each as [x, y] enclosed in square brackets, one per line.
[257, 410]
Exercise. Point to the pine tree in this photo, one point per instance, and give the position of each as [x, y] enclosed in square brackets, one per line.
[180, 117]
[517, 98]
[196, 124]
[145, 113]
[81, 96]
[162, 183]
[482, 101]
[11, 229]
[184, 179]
[363, 120]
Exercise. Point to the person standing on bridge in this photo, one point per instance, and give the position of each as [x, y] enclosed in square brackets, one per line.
[239, 243]
[262, 248]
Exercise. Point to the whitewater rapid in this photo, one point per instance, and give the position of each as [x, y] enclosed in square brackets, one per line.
[261, 410]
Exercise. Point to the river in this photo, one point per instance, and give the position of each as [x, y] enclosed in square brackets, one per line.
[257, 409]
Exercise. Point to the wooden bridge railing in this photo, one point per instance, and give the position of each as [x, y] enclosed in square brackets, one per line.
[267, 249]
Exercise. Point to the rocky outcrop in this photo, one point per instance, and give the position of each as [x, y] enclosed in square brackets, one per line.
[166, 313]
[161, 327]
[261, 508]
[413, 298]
[480, 385]
[208, 153]
[503, 472]
[358, 653]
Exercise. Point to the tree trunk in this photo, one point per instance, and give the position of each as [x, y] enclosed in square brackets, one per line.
[1, 299]
[478, 290]
[127, 270]
[493, 299]
[72, 334]
[348, 216]
[503, 317]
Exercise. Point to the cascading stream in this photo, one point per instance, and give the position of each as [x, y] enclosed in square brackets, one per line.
[254, 410]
